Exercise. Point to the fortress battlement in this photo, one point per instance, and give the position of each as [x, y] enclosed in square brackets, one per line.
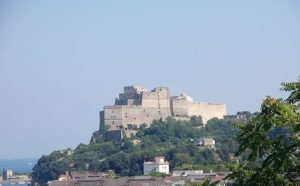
[112, 106]
[200, 103]
[136, 106]
[207, 103]
[121, 106]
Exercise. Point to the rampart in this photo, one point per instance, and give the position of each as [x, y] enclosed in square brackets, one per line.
[184, 106]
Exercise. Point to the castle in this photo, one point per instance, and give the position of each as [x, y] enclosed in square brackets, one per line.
[137, 106]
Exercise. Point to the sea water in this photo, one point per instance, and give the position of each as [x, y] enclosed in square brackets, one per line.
[18, 165]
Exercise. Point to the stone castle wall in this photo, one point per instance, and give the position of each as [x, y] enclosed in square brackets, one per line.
[137, 106]
[183, 108]
[158, 98]
[139, 115]
[113, 116]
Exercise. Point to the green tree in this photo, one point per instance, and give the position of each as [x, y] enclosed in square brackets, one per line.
[182, 158]
[98, 136]
[48, 168]
[111, 174]
[128, 145]
[158, 174]
[246, 113]
[272, 139]
[196, 121]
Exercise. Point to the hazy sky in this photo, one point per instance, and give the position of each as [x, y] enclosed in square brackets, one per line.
[62, 61]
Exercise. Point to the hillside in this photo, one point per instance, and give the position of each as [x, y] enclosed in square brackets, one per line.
[171, 138]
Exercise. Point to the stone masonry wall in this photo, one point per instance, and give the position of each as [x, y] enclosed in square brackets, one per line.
[137, 106]
[113, 116]
[159, 98]
[183, 108]
[138, 115]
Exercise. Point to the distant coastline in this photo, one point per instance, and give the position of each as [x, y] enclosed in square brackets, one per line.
[23, 165]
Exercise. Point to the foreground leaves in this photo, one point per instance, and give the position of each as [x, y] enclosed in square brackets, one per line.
[272, 138]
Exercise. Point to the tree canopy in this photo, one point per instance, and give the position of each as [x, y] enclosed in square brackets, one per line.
[272, 140]
[173, 139]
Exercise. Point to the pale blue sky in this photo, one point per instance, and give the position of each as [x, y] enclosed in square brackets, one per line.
[61, 61]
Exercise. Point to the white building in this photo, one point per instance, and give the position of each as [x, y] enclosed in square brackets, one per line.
[158, 165]
[208, 142]
[7, 174]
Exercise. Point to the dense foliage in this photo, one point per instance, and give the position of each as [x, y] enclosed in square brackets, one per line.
[172, 139]
[272, 140]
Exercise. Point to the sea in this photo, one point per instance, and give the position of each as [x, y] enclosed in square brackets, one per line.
[18, 165]
[24, 165]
